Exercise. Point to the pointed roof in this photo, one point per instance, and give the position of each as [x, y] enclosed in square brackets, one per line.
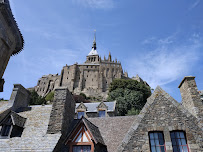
[94, 47]
[16, 119]
[150, 101]
[94, 130]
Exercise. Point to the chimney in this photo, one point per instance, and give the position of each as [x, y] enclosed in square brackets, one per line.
[190, 96]
[63, 111]
[20, 97]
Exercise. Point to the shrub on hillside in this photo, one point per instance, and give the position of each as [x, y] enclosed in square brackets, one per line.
[35, 99]
[50, 97]
[130, 95]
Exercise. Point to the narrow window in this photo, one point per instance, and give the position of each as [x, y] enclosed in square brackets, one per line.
[102, 113]
[5, 130]
[87, 66]
[179, 141]
[80, 114]
[157, 143]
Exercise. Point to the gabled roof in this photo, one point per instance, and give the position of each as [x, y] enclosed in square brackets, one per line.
[81, 106]
[150, 101]
[92, 107]
[102, 105]
[17, 120]
[7, 13]
[91, 127]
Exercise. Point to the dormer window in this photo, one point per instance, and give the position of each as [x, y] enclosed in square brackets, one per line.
[102, 109]
[102, 113]
[80, 114]
[81, 110]
[12, 125]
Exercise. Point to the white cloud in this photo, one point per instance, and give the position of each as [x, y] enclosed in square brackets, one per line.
[96, 3]
[168, 61]
[195, 4]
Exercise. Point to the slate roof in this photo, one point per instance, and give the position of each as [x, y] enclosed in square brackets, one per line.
[16, 119]
[92, 107]
[34, 137]
[95, 131]
[7, 13]
[113, 129]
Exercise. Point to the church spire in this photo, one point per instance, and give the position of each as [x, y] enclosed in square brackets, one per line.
[94, 46]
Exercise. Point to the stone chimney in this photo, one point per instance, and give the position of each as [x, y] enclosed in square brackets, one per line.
[63, 111]
[20, 97]
[190, 96]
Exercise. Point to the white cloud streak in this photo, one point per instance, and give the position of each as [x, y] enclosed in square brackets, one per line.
[195, 4]
[102, 4]
[167, 62]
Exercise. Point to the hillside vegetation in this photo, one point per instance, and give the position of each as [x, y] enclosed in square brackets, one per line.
[130, 95]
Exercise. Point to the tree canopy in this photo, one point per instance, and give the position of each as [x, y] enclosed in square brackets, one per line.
[130, 95]
[35, 99]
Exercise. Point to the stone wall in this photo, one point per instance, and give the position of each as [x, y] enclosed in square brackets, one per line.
[162, 113]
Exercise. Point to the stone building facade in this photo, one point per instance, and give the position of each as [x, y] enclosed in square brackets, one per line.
[93, 77]
[163, 125]
[11, 40]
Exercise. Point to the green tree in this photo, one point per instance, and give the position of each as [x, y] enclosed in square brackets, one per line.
[130, 95]
[84, 95]
[50, 97]
[35, 99]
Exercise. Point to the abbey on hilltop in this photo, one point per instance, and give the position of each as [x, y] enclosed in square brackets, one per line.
[93, 77]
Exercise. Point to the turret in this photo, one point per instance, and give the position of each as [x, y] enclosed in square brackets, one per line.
[109, 58]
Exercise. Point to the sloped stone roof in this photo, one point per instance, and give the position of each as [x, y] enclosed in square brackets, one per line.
[34, 137]
[113, 129]
[17, 119]
[94, 130]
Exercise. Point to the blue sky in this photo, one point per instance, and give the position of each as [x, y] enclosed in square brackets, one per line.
[161, 41]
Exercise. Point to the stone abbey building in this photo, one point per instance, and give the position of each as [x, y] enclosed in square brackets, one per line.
[92, 77]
